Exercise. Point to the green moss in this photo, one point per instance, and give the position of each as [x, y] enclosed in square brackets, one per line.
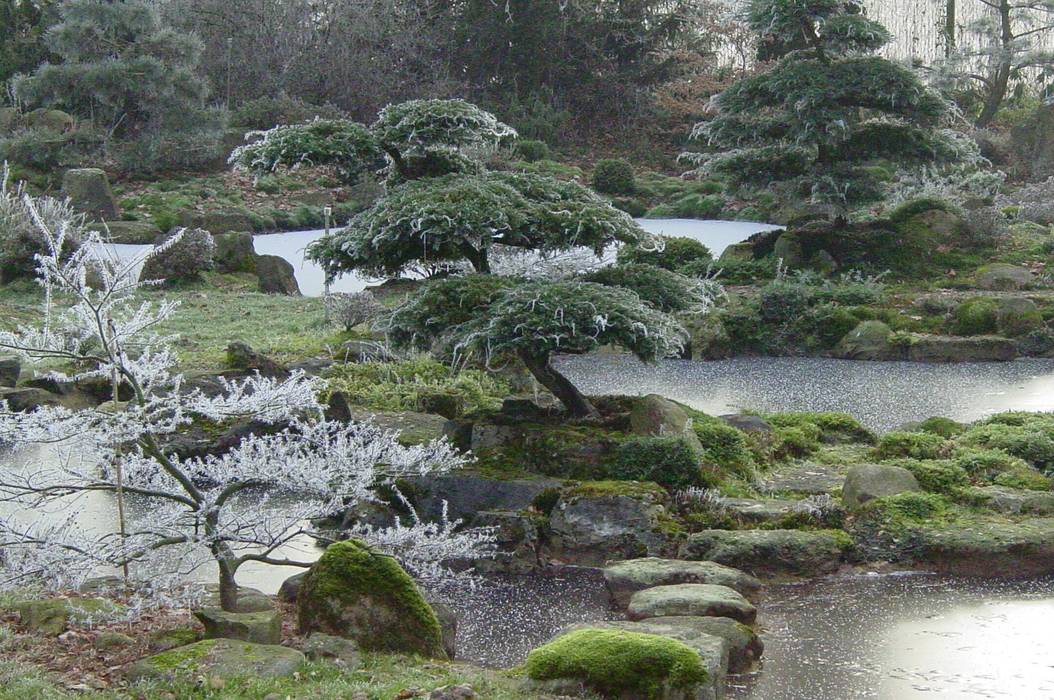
[663, 460]
[834, 427]
[631, 489]
[906, 508]
[184, 658]
[938, 476]
[615, 662]
[1031, 439]
[945, 427]
[976, 317]
[907, 444]
[797, 440]
[724, 445]
[1023, 478]
[987, 464]
[352, 577]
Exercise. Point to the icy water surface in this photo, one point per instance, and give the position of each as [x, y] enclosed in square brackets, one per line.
[291, 246]
[904, 637]
[882, 395]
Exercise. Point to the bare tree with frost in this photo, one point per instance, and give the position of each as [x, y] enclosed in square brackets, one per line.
[240, 507]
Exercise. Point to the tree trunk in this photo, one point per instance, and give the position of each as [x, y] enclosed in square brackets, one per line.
[1001, 79]
[572, 399]
[949, 28]
[228, 587]
[478, 258]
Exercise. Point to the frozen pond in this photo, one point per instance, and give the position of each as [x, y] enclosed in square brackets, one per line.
[716, 235]
[904, 637]
[882, 395]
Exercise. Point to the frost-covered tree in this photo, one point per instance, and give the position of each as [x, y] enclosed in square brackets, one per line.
[497, 318]
[442, 205]
[825, 110]
[230, 509]
[120, 68]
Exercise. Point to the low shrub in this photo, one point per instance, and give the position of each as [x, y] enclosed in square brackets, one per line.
[1023, 478]
[945, 427]
[614, 176]
[910, 507]
[833, 427]
[184, 259]
[975, 317]
[617, 663]
[667, 461]
[987, 464]
[675, 254]
[1029, 441]
[662, 289]
[725, 445]
[936, 475]
[403, 386]
[692, 206]
[350, 310]
[532, 150]
[905, 444]
[797, 440]
[20, 237]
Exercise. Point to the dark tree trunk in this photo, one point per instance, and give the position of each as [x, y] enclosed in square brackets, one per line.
[949, 28]
[228, 588]
[1000, 81]
[572, 399]
[478, 258]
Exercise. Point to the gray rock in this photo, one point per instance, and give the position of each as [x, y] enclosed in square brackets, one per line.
[219, 658]
[1017, 501]
[257, 627]
[218, 221]
[276, 276]
[738, 252]
[88, 190]
[744, 645]
[788, 249]
[771, 553]
[467, 493]
[756, 511]
[345, 652]
[250, 600]
[591, 530]
[112, 641]
[517, 539]
[447, 625]
[810, 479]
[949, 348]
[992, 549]
[235, 252]
[290, 588]
[625, 578]
[865, 482]
[868, 341]
[1002, 276]
[25, 399]
[10, 369]
[748, 423]
[163, 640]
[51, 616]
[241, 356]
[101, 585]
[656, 415]
[691, 599]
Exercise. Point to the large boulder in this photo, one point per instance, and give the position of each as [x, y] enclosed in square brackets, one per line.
[691, 599]
[25, 399]
[517, 538]
[258, 627]
[1016, 501]
[1001, 550]
[744, 645]
[865, 482]
[625, 578]
[363, 595]
[771, 553]
[604, 521]
[276, 276]
[183, 259]
[89, 192]
[1003, 276]
[465, 493]
[218, 658]
[54, 120]
[51, 616]
[235, 252]
[737, 253]
[789, 249]
[657, 416]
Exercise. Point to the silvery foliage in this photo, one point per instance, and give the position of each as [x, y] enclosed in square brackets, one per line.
[350, 310]
[191, 255]
[20, 238]
[225, 510]
[1035, 202]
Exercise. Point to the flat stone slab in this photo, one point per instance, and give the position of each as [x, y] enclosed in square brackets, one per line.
[220, 658]
[771, 553]
[1017, 501]
[810, 479]
[627, 577]
[256, 627]
[754, 510]
[1019, 549]
[691, 599]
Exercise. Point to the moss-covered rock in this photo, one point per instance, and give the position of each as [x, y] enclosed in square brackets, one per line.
[871, 340]
[135, 232]
[600, 521]
[620, 664]
[1002, 276]
[865, 482]
[772, 553]
[51, 616]
[366, 596]
[219, 658]
[88, 190]
[989, 549]
[163, 640]
[258, 627]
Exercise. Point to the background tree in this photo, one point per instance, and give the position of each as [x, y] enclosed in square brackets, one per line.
[22, 27]
[824, 110]
[120, 68]
[233, 508]
[495, 318]
[1007, 49]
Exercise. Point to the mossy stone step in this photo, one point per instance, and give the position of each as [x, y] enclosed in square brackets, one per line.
[691, 599]
[220, 658]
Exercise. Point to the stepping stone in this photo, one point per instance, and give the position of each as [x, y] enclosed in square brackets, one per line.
[627, 577]
[773, 553]
[256, 627]
[744, 645]
[810, 479]
[220, 658]
[691, 599]
[753, 511]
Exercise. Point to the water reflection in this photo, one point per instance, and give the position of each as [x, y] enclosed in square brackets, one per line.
[903, 637]
[882, 395]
